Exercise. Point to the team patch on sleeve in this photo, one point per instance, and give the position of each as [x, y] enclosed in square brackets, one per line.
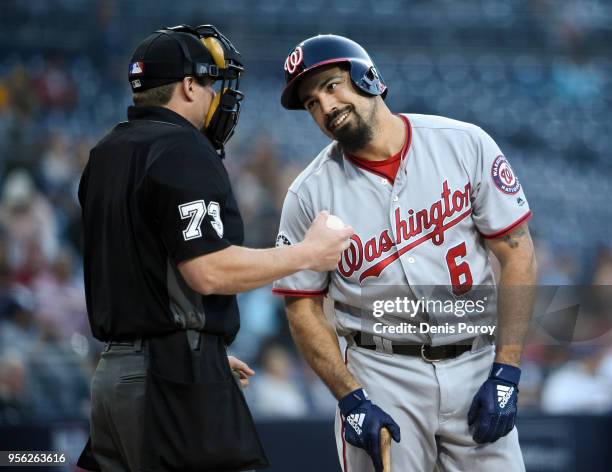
[283, 240]
[504, 177]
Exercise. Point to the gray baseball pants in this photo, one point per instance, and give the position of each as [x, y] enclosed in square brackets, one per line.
[430, 403]
[117, 408]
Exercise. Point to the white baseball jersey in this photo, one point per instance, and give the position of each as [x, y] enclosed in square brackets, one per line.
[426, 229]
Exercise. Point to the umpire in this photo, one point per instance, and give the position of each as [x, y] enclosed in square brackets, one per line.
[162, 262]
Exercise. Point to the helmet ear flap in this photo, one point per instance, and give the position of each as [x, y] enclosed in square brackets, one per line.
[366, 78]
[371, 74]
[374, 82]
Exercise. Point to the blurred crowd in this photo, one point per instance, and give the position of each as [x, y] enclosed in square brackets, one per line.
[55, 105]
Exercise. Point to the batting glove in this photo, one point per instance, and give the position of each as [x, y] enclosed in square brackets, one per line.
[362, 422]
[493, 409]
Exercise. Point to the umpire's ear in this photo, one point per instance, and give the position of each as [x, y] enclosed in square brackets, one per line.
[189, 89]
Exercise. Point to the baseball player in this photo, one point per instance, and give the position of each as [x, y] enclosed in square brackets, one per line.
[429, 198]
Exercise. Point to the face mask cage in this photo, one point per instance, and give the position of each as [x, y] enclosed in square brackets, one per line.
[225, 109]
[224, 118]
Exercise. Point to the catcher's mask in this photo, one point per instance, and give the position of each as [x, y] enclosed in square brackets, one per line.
[205, 52]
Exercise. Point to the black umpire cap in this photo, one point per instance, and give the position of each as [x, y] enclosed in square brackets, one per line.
[168, 56]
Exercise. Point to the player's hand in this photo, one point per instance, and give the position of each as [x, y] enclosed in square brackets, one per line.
[241, 370]
[325, 245]
[363, 421]
[493, 411]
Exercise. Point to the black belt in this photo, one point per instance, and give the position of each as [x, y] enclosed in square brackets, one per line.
[138, 344]
[193, 337]
[425, 351]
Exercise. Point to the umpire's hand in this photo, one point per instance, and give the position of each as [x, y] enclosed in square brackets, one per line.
[241, 370]
[325, 245]
[362, 421]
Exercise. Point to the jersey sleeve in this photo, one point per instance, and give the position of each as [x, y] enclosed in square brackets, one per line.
[186, 194]
[499, 203]
[296, 218]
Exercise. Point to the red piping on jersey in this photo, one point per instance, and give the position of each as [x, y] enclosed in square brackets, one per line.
[508, 229]
[404, 151]
[345, 468]
[377, 268]
[298, 293]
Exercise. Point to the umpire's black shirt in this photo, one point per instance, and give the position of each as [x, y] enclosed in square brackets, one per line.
[155, 193]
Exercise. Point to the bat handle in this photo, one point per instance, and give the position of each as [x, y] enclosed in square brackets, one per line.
[385, 448]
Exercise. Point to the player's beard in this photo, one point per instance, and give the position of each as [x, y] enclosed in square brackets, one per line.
[353, 136]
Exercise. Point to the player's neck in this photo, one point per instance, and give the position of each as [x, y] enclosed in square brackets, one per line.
[389, 137]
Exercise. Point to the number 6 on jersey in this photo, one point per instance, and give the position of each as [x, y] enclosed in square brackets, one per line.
[196, 211]
[460, 274]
